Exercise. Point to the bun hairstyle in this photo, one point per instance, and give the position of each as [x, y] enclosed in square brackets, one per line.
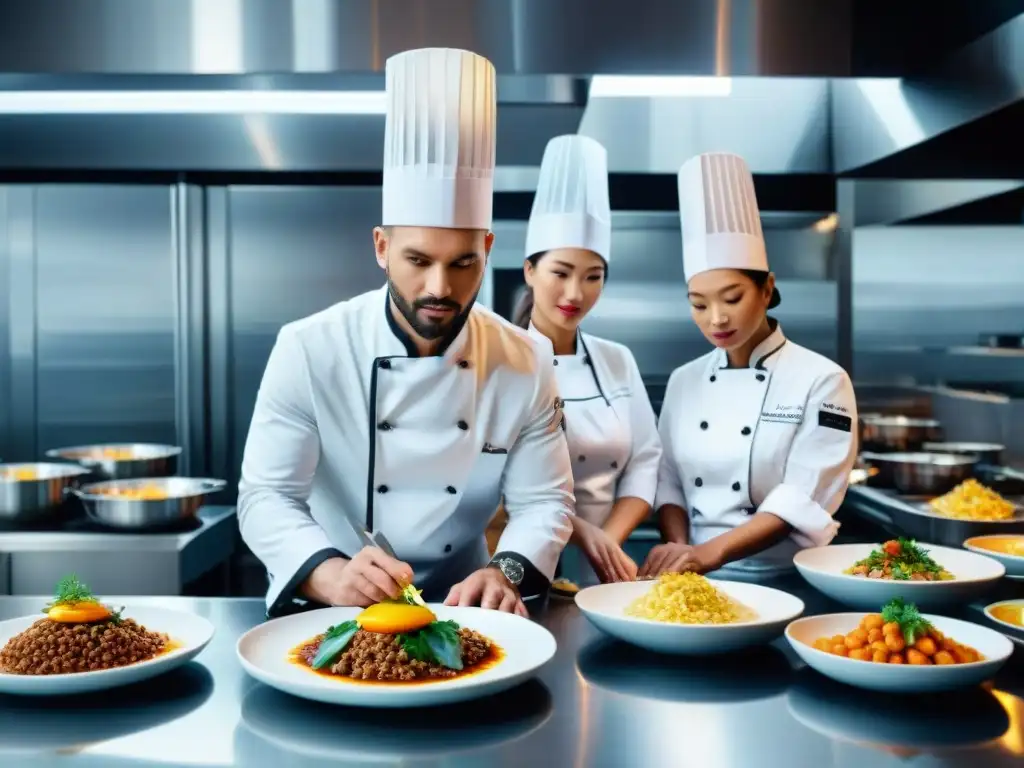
[760, 278]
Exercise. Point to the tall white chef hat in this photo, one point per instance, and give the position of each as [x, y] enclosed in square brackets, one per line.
[439, 139]
[571, 207]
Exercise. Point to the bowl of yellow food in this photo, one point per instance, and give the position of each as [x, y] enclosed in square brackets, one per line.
[688, 614]
[1009, 615]
[1008, 549]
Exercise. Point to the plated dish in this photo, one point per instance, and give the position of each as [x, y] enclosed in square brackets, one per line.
[1009, 615]
[401, 653]
[971, 500]
[82, 644]
[900, 560]
[865, 576]
[689, 614]
[899, 649]
[1008, 549]
[898, 635]
[398, 641]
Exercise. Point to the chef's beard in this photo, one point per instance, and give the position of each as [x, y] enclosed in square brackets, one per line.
[430, 330]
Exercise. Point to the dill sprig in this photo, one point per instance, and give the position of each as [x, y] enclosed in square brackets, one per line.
[71, 591]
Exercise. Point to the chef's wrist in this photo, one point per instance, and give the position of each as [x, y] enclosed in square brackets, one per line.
[322, 582]
[713, 554]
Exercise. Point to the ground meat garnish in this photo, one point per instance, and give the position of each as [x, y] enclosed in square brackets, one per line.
[375, 656]
[54, 648]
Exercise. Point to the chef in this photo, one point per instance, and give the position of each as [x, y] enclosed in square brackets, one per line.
[610, 425]
[758, 434]
[403, 415]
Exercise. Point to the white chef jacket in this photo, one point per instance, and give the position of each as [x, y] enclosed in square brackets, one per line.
[775, 437]
[350, 422]
[610, 427]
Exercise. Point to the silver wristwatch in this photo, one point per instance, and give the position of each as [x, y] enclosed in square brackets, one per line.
[512, 569]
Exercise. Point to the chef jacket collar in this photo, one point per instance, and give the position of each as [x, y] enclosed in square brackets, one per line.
[581, 348]
[763, 352]
[457, 333]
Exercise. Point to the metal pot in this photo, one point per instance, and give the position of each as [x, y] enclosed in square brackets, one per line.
[122, 461]
[922, 474]
[988, 453]
[897, 433]
[181, 498]
[32, 491]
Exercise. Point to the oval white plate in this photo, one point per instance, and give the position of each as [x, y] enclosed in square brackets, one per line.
[899, 678]
[263, 652]
[1014, 564]
[823, 568]
[192, 632]
[1013, 631]
[605, 605]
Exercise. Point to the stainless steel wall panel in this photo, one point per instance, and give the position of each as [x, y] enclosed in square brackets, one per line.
[105, 315]
[22, 319]
[292, 252]
[921, 292]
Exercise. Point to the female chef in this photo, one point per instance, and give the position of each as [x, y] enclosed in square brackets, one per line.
[758, 434]
[609, 422]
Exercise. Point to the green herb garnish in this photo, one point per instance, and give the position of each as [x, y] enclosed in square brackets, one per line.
[71, 591]
[904, 558]
[334, 642]
[911, 622]
[436, 643]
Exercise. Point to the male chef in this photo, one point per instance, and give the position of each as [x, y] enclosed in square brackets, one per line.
[408, 411]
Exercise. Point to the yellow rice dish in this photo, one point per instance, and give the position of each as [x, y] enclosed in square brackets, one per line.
[687, 598]
[973, 501]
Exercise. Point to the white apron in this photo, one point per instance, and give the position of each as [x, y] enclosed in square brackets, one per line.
[776, 437]
[612, 434]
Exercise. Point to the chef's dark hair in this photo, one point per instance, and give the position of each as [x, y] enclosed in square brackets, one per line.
[760, 278]
[524, 308]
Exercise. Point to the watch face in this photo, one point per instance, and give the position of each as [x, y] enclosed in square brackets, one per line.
[513, 571]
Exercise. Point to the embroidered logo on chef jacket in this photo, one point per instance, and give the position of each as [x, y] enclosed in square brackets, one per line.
[834, 417]
[783, 414]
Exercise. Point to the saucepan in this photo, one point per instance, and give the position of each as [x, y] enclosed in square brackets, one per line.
[148, 502]
[883, 433]
[921, 473]
[32, 491]
[988, 453]
[121, 461]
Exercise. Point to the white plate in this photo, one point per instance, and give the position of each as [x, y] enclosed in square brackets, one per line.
[1013, 631]
[899, 678]
[823, 568]
[605, 605]
[1014, 564]
[263, 652]
[192, 632]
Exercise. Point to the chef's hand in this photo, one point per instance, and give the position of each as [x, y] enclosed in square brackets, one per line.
[604, 553]
[487, 588]
[368, 578]
[677, 558]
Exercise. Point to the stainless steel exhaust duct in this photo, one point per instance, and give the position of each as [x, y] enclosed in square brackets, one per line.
[877, 118]
[540, 37]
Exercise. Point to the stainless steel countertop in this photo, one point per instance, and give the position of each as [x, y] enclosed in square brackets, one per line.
[76, 539]
[598, 703]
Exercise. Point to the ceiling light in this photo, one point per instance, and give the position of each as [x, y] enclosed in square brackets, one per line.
[193, 102]
[624, 86]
